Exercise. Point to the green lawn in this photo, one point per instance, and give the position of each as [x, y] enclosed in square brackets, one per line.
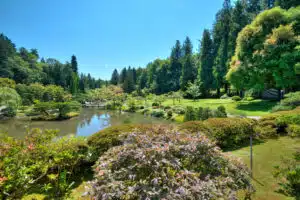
[265, 157]
[245, 108]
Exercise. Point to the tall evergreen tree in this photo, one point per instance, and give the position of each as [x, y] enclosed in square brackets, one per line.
[74, 64]
[123, 75]
[128, 85]
[286, 4]
[189, 72]
[239, 19]
[142, 80]
[114, 77]
[222, 57]
[175, 66]
[74, 85]
[205, 73]
[134, 75]
[254, 7]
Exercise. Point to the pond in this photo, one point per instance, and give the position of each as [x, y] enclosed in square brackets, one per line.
[90, 120]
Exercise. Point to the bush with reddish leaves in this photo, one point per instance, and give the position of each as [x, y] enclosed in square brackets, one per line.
[167, 164]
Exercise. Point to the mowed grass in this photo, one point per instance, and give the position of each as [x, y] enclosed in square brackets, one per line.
[244, 108]
[265, 157]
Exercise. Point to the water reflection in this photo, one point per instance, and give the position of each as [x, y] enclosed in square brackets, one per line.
[88, 122]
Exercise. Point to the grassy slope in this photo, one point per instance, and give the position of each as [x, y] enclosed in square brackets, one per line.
[246, 108]
[265, 157]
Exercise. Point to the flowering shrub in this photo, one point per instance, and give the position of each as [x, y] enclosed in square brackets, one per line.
[39, 162]
[165, 164]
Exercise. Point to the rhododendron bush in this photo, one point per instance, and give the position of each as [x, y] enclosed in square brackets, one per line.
[166, 164]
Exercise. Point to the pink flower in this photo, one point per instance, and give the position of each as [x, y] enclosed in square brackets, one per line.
[30, 146]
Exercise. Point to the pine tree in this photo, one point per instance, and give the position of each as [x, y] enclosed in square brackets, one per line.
[189, 72]
[239, 19]
[205, 73]
[74, 85]
[222, 57]
[134, 76]
[74, 64]
[114, 77]
[123, 75]
[286, 4]
[254, 7]
[175, 66]
[128, 85]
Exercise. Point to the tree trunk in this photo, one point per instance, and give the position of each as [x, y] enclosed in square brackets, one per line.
[218, 92]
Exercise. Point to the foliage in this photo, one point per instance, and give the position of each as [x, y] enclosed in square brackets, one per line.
[293, 130]
[6, 82]
[291, 99]
[267, 52]
[186, 166]
[190, 114]
[205, 71]
[289, 174]
[230, 132]
[109, 137]
[60, 110]
[193, 90]
[10, 99]
[39, 163]
[200, 113]
[236, 98]
[157, 113]
[36, 91]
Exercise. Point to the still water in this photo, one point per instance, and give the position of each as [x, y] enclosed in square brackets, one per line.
[88, 122]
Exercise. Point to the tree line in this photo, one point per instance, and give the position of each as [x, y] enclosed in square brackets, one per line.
[25, 67]
[206, 68]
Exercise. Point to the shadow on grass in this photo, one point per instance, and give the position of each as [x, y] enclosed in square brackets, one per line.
[263, 106]
[245, 144]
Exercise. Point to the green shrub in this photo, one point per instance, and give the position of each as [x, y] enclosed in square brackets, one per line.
[169, 113]
[285, 120]
[230, 132]
[291, 99]
[166, 164]
[179, 110]
[157, 113]
[281, 108]
[155, 104]
[224, 96]
[40, 162]
[266, 128]
[190, 114]
[194, 127]
[236, 98]
[110, 137]
[293, 130]
[289, 176]
[55, 110]
[248, 99]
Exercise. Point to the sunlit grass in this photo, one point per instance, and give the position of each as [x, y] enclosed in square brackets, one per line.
[245, 108]
[265, 157]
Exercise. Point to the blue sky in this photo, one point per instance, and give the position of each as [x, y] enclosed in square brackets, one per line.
[105, 34]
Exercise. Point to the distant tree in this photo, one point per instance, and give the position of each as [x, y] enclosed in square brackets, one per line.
[222, 56]
[175, 67]
[123, 75]
[286, 4]
[134, 75]
[74, 64]
[74, 86]
[205, 72]
[142, 80]
[114, 77]
[189, 72]
[128, 85]
[193, 90]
